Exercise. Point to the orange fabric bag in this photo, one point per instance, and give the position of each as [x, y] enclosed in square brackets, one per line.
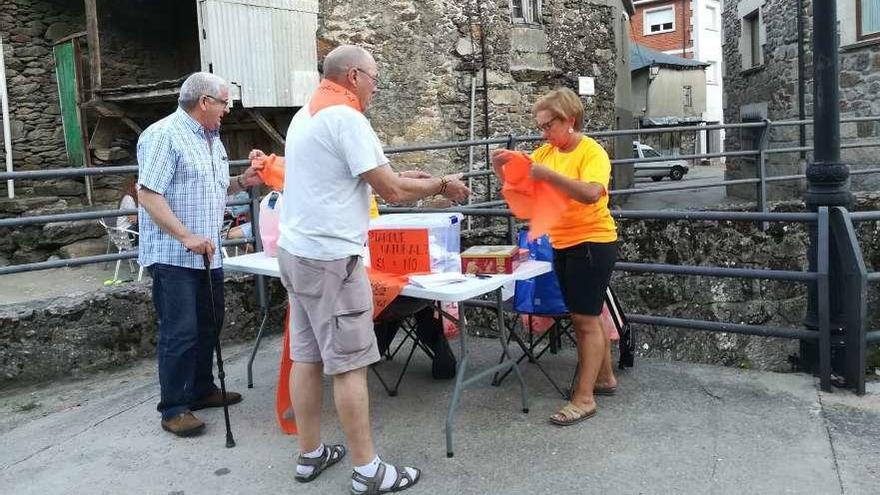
[283, 402]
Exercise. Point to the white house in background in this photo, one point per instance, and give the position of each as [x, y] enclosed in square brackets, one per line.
[688, 29]
[707, 39]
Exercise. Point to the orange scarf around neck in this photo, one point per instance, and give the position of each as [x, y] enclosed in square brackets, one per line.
[329, 94]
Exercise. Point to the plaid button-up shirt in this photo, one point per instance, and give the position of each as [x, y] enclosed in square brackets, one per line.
[174, 160]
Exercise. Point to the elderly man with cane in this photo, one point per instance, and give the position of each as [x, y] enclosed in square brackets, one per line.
[183, 181]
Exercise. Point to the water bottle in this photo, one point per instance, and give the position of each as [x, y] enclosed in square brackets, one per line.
[270, 215]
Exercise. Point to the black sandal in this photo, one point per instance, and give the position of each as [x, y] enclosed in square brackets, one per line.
[374, 482]
[332, 454]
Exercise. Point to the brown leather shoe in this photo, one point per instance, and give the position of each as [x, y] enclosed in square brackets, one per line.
[184, 424]
[215, 399]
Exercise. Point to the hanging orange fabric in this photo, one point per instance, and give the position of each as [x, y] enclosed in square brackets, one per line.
[283, 402]
[385, 288]
[535, 200]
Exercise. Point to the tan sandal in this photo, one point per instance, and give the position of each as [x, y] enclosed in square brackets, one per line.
[604, 390]
[572, 414]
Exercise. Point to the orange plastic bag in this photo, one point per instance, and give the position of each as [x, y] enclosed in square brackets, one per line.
[608, 324]
[271, 171]
[539, 202]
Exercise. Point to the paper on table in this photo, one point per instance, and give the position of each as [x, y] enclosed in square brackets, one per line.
[436, 279]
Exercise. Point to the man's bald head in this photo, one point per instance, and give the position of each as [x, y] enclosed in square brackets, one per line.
[343, 58]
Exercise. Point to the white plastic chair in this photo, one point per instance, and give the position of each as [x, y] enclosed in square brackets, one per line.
[119, 237]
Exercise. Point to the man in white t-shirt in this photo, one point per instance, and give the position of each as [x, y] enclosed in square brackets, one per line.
[333, 163]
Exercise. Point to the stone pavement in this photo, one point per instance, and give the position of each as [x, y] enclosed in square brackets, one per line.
[673, 428]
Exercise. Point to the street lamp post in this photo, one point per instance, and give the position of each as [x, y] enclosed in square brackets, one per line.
[827, 177]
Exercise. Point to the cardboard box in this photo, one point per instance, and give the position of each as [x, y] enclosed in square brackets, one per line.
[492, 259]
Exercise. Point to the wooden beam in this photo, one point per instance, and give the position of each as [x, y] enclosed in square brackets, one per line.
[94, 44]
[266, 126]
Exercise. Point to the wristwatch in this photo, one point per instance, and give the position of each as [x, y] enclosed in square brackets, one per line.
[240, 183]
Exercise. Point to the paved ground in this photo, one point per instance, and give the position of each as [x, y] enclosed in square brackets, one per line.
[691, 199]
[673, 428]
[49, 284]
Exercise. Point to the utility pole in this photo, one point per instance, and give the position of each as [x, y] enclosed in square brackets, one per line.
[827, 177]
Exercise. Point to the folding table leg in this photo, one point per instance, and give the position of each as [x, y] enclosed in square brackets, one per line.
[461, 383]
[459, 379]
[264, 307]
[250, 365]
[499, 308]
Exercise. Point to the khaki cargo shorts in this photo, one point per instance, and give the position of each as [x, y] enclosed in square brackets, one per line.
[331, 312]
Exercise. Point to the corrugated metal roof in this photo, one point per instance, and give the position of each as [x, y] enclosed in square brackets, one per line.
[641, 56]
[265, 47]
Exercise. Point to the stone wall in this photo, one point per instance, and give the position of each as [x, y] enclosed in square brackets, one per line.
[771, 91]
[28, 29]
[111, 327]
[108, 328]
[427, 58]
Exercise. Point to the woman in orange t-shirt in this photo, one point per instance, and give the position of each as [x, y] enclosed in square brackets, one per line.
[584, 239]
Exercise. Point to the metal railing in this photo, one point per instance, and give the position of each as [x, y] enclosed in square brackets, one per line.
[835, 227]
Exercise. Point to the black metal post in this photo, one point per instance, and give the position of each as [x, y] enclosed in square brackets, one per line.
[827, 177]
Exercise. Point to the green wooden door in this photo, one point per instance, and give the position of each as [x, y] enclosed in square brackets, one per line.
[68, 96]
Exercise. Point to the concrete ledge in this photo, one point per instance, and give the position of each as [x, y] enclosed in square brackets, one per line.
[70, 336]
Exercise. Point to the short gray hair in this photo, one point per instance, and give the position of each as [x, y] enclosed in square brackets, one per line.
[198, 84]
[342, 59]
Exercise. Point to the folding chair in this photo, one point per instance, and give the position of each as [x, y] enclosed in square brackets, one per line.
[122, 239]
[553, 336]
[626, 344]
[401, 312]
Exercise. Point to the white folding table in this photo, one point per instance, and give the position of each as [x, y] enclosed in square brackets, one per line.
[260, 264]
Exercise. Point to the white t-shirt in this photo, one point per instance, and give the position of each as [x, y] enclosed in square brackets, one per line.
[326, 210]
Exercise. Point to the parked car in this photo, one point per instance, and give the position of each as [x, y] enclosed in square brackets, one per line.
[674, 169]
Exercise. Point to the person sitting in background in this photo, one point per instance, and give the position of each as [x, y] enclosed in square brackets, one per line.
[241, 225]
[129, 202]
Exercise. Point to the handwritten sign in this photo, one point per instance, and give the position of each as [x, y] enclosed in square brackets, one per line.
[399, 251]
[385, 288]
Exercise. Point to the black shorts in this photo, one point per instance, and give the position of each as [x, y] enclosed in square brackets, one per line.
[584, 271]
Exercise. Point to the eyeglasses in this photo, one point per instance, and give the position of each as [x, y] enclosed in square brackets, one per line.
[375, 78]
[218, 100]
[546, 126]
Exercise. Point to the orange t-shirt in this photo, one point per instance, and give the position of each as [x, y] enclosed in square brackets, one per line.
[581, 222]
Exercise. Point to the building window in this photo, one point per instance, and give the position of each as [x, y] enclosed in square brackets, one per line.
[712, 17]
[687, 96]
[712, 72]
[526, 11]
[660, 20]
[751, 32]
[868, 19]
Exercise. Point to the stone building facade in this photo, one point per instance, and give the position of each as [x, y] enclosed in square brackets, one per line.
[761, 43]
[428, 53]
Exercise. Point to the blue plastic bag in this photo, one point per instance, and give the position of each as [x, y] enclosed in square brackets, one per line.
[540, 295]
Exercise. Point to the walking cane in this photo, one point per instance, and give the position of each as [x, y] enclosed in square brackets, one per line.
[230, 442]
